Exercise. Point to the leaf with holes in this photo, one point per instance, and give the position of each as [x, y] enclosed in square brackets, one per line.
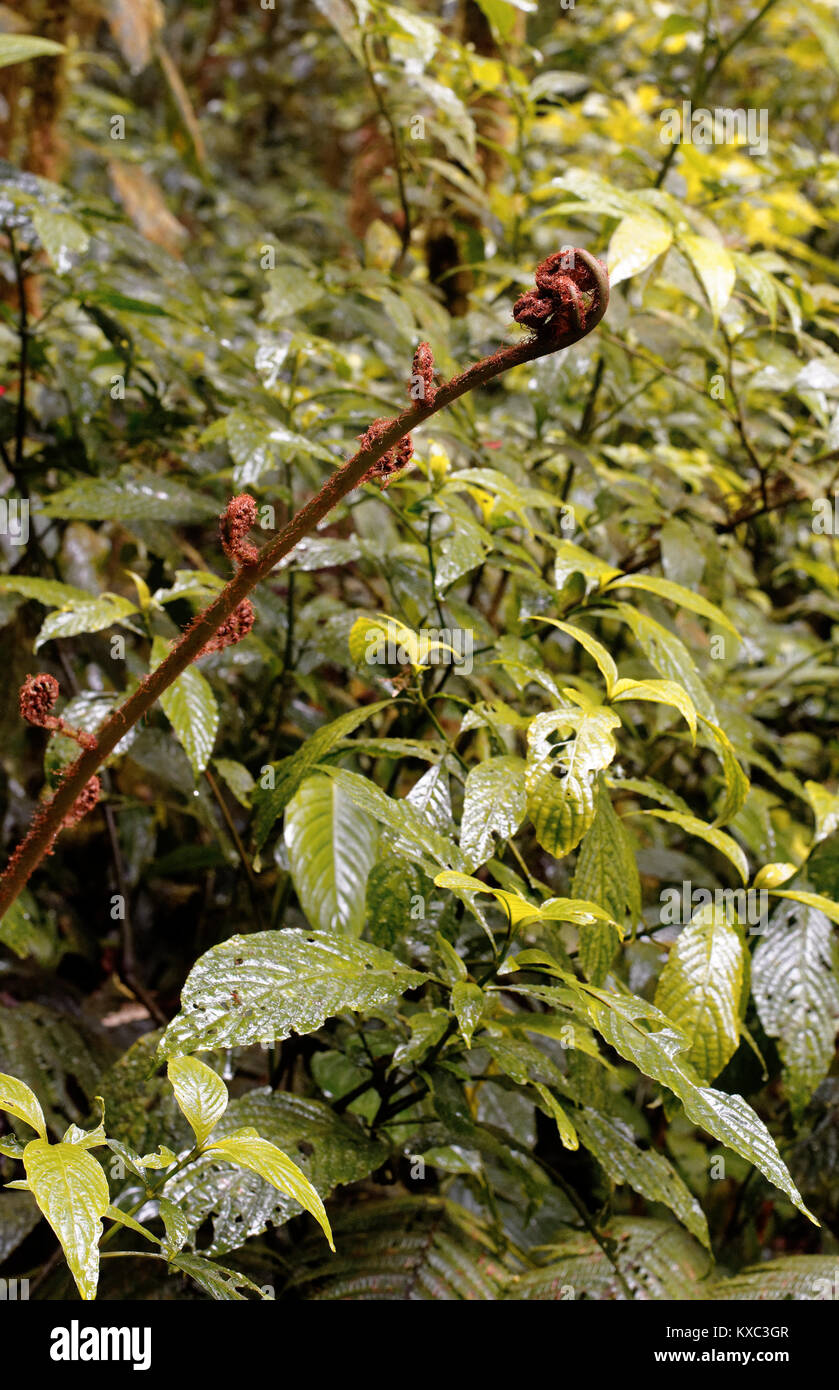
[268, 985]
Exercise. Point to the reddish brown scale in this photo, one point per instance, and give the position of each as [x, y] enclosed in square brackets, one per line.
[422, 375]
[232, 630]
[236, 520]
[38, 694]
[391, 463]
[565, 299]
[84, 802]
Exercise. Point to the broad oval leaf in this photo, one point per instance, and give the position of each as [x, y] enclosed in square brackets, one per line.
[20, 1100]
[190, 706]
[265, 986]
[200, 1092]
[795, 982]
[635, 244]
[71, 1190]
[331, 848]
[494, 803]
[700, 989]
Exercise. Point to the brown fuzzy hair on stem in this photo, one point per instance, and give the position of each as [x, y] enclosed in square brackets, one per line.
[236, 520]
[581, 307]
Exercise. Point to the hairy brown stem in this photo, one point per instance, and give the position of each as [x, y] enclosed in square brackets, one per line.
[546, 339]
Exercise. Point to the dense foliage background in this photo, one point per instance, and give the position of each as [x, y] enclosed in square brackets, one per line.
[224, 229]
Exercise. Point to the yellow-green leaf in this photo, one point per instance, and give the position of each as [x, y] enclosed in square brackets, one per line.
[773, 874]
[567, 1132]
[714, 265]
[595, 649]
[17, 1098]
[200, 1092]
[71, 1190]
[470, 1004]
[700, 988]
[635, 244]
[717, 838]
[659, 692]
[675, 593]
[246, 1149]
[20, 48]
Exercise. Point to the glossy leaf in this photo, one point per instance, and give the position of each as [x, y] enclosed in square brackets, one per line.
[265, 986]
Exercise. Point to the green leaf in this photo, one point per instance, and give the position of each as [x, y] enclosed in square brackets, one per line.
[795, 983]
[247, 1150]
[59, 1058]
[647, 1172]
[799, 1277]
[329, 1148]
[675, 593]
[717, 838]
[175, 1225]
[20, 48]
[595, 649]
[61, 237]
[668, 654]
[222, 1284]
[606, 874]
[411, 831]
[700, 988]
[494, 803]
[18, 1099]
[269, 803]
[657, 1260]
[656, 1054]
[560, 779]
[392, 887]
[660, 692]
[572, 559]
[636, 242]
[736, 781]
[404, 1249]
[470, 1004]
[71, 1190]
[200, 1092]
[136, 494]
[331, 848]
[92, 615]
[47, 591]
[190, 706]
[567, 1133]
[268, 985]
